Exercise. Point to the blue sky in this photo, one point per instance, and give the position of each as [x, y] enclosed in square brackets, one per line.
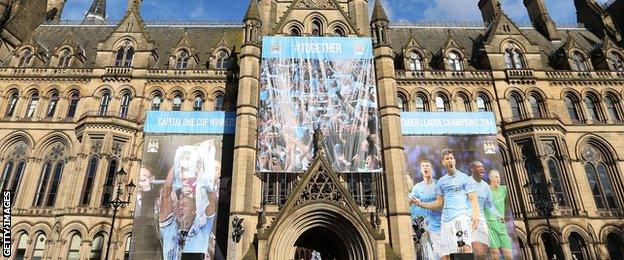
[413, 10]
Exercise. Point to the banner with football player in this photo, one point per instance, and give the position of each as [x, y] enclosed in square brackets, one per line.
[459, 198]
[179, 199]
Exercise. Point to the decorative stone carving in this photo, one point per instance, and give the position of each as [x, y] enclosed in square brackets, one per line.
[591, 154]
[96, 146]
[549, 150]
[117, 149]
[321, 187]
[316, 4]
[19, 150]
[57, 152]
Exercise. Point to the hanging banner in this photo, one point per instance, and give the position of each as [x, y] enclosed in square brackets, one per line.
[178, 191]
[325, 83]
[451, 157]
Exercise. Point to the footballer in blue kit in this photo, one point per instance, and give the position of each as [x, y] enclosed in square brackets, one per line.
[456, 195]
[426, 192]
[481, 236]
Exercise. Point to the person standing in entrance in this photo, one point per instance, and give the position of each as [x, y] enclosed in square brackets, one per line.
[456, 195]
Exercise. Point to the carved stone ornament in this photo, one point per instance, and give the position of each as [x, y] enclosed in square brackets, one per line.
[316, 4]
[117, 148]
[19, 150]
[590, 154]
[321, 187]
[57, 152]
[96, 146]
[549, 150]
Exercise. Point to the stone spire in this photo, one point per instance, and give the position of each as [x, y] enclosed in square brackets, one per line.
[253, 13]
[541, 19]
[379, 14]
[489, 9]
[253, 24]
[97, 13]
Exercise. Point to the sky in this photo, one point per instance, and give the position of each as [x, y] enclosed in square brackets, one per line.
[562, 11]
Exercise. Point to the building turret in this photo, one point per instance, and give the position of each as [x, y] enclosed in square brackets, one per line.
[489, 9]
[97, 13]
[380, 25]
[541, 19]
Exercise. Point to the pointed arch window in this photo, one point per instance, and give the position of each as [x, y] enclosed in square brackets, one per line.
[89, 179]
[557, 181]
[32, 105]
[177, 102]
[12, 104]
[421, 103]
[455, 61]
[25, 58]
[54, 98]
[572, 105]
[110, 180]
[39, 247]
[616, 61]
[514, 59]
[73, 105]
[442, 103]
[104, 102]
[537, 105]
[317, 28]
[578, 247]
[579, 62]
[415, 61]
[14, 167]
[598, 174]
[401, 102]
[612, 104]
[54, 184]
[124, 55]
[64, 58]
[483, 103]
[127, 248]
[514, 104]
[156, 101]
[222, 60]
[96, 247]
[593, 107]
[125, 104]
[219, 102]
[198, 103]
[339, 32]
[294, 31]
[182, 60]
[22, 245]
[615, 245]
[46, 171]
[463, 103]
[74, 247]
[16, 179]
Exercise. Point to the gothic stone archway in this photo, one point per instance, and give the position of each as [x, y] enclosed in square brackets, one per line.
[320, 206]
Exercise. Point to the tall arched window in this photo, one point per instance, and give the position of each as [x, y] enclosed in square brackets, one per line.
[73, 105]
[552, 246]
[96, 247]
[415, 61]
[578, 248]
[441, 102]
[32, 105]
[557, 181]
[222, 60]
[339, 32]
[612, 103]
[219, 101]
[110, 180]
[46, 171]
[514, 104]
[89, 179]
[537, 105]
[401, 102]
[54, 98]
[39, 247]
[317, 28]
[12, 104]
[25, 58]
[74, 247]
[615, 245]
[455, 61]
[514, 59]
[421, 103]
[182, 60]
[177, 102]
[54, 184]
[572, 106]
[579, 63]
[156, 100]
[125, 104]
[64, 58]
[598, 174]
[463, 103]
[104, 102]
[616, 61]
[198, 103]
[294, 31]
[483, 103]
[592, 104]
[22, 245]
[14, 167]
[127, 248]
[124, 56]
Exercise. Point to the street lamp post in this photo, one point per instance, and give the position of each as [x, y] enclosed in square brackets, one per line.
[544, 201]
[118, 201]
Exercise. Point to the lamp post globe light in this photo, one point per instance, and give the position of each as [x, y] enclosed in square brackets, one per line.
[116, 199]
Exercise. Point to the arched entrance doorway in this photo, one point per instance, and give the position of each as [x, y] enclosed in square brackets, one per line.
[319, 242]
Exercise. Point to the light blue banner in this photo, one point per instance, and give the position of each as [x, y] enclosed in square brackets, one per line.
[448, 123]
[170, 122]
[317, 47]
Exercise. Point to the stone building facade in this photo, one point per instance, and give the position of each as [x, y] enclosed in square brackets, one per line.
[74, 96]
